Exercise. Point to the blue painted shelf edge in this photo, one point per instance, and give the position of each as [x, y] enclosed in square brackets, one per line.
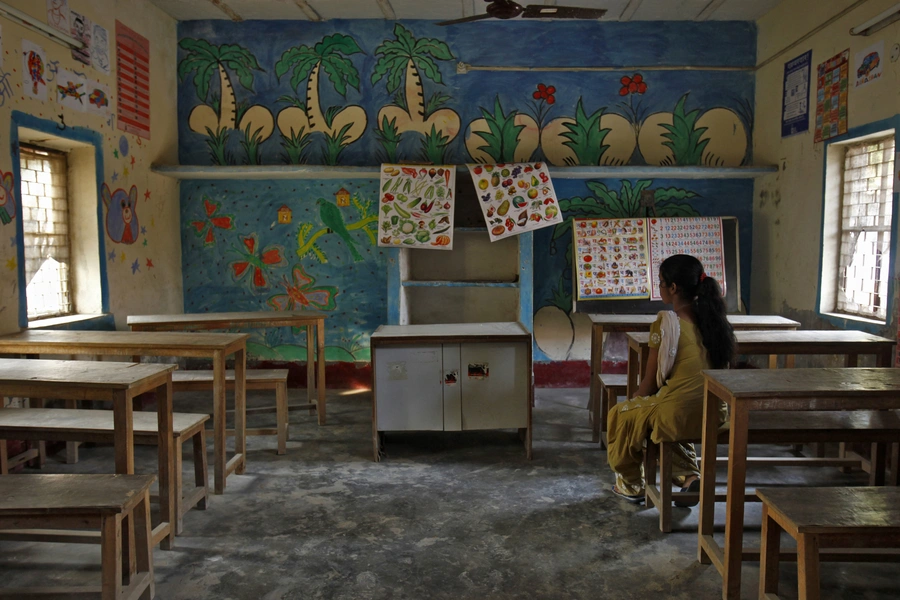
[457, 283]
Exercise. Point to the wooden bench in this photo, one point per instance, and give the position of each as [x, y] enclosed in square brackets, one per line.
[611, 387]
[84, 425]
[87, 502]
[262, 379]
[862, 517]
[778, 427]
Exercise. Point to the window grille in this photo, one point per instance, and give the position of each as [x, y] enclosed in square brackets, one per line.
[45, 220]
[866, 205]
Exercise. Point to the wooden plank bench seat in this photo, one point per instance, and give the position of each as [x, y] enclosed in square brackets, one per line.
[257, 379]
[861, 517]
[85, 425]
[87, 502]
[611, 387]
[878, 428]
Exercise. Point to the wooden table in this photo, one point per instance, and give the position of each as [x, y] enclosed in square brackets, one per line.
[605, 323]
[746, 390]
[850, 344]
[310, 320]
[216, 346]
[118, 383]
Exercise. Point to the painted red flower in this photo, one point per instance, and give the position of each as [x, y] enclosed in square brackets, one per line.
[271, 256]
[206, 228]
[632, 85]
[545, 93]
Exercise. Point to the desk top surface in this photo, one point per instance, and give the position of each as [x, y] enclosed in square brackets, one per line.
[450, 331]
[836, 509]
[802, 337]
[79, 373]
[224, 318]
[737, 321]
[847, 382]
[70, 494]
[119, 342]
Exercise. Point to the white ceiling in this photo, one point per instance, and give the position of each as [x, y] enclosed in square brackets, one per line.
[617, 10]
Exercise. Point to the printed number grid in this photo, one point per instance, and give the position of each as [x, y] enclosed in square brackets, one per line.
[866, 211]
[45, 220]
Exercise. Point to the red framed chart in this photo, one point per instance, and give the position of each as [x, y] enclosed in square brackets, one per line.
[133, 81]
[610, 258]
[697, 236]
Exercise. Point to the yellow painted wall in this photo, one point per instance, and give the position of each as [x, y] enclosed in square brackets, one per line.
[157, 289]
[787, 216]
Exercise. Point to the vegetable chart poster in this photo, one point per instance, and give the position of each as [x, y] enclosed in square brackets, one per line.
[831, 96]
[697, 236]
[610, 258]
[515, 197]
[416, 206]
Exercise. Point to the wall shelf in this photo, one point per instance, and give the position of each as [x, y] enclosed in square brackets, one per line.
[344, 173]
[457, 283]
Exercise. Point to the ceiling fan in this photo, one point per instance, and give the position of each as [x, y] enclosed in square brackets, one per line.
[507, 9]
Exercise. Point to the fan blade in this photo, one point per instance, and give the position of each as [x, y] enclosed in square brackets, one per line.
[543, 11]
[466, 19]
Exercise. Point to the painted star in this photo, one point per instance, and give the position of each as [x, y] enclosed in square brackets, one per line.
[125, 172]
[147, 195]
[115, 175]
[145, 241]
[116, 153]
[132, 160]
[143, 230]
[112, 255]
[11, 264]
[122, 258]
[135, 267]
[149, 264]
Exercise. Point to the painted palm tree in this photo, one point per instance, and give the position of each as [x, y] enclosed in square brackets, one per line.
[219, 114]
[341, 126]
[403, 61]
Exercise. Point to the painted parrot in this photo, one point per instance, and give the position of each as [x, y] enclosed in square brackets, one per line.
[334, 220]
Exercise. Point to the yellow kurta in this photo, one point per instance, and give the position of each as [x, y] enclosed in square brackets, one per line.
[674, 413]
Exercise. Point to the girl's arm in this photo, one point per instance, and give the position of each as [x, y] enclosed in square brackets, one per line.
[648, 385]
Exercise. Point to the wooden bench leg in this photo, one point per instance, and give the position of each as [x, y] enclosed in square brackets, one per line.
[143, 544]
[281, 415]
[72, 447]
[4, 458]
[596, 410]
[769, 554]
[179, 487]
[201, 474]
[608, 401]
[878, 464]
[665, 487]
[808, 567]
[894, 464]
[111, 557]
[651, 455]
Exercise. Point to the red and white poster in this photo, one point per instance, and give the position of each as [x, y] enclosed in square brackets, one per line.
[133, 81]
[697, 236]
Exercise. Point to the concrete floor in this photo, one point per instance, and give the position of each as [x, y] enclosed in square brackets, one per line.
[453, 516]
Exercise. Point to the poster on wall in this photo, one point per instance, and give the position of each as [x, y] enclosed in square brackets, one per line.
[132, 81]
[869, 64]
[100, 49]
[97, 99]
[610, 258]
[515, 197]
[34, 71]
[58, 15]
[831, 96]
[416, 206]
[70, 89]
[698, 236]
[81, 31]
[795, 103]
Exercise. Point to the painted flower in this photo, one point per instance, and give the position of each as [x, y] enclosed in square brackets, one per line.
[545, 93]
[271, 256]
[303, 293]
[633, 85]
[206, 228]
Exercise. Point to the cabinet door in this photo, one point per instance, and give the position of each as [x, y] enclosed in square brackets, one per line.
[452, 387]
[494, 390]
[408, 382]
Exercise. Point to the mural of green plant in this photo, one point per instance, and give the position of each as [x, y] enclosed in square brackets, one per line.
[221, 114]
[333, 219]
[502, 137]
[403, 61]
[585, 136]
[340, 126]
[684, 139]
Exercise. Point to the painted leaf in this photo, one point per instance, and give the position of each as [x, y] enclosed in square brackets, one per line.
[271, 257]
[259, 280]
[210, 237]
[223, 222]
[239, 268]
[210, 206]
[250, 243]
[199, 226]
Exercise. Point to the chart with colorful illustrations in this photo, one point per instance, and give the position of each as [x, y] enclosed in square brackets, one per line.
[831, 97]
[697, 236]
[610, 258]
[416, 206]
[515, 197]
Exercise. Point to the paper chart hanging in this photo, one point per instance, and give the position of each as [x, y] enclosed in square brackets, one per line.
[610, 258]
[415, 207]
[698, 236]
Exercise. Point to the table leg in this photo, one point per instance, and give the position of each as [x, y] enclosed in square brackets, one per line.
[633, 370]
[708, 472]
[884, 359]
[596, 364]
[240, 409]
[310, 365]
[769, 554]
[111, 557]
[734, 511]
[123, 441]
[320, 364]
[166, 446]
[878, 463]
[808, 567]
[219, 420]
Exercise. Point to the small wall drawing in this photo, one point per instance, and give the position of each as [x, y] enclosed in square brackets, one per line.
[333, 219]
[100, 49]
[121, 214]
[342, 197]
[206, 228]
[284, 215]
[302, 293]
[416, 206]
[869, 64]
[81, 30]
[271, 256]
[7, 198]
[34, 62]
[339, 126]
[58, 15]
[97, 98]
[6, 90]
[71, 90]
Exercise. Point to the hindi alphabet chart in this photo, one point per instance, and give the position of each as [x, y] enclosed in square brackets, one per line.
[697, 236]
[610, 258]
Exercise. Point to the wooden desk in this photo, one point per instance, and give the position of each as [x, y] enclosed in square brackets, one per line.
[635, 323]
[217, 346]
[310, 320]
[847, 343]
[115, 382]
[746, 390]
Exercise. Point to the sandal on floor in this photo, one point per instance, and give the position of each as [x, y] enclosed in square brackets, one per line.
[693, 487]
[627, 498]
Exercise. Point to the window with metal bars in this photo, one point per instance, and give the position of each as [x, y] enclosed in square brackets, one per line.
[865, 246]
[45, 220]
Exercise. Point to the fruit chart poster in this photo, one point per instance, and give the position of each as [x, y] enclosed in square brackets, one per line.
[610, 258]
[697, 236]
[416, 206]
[515, 197]
[831, 96]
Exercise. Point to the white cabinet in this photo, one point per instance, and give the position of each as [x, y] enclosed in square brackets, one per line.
[452, 378]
